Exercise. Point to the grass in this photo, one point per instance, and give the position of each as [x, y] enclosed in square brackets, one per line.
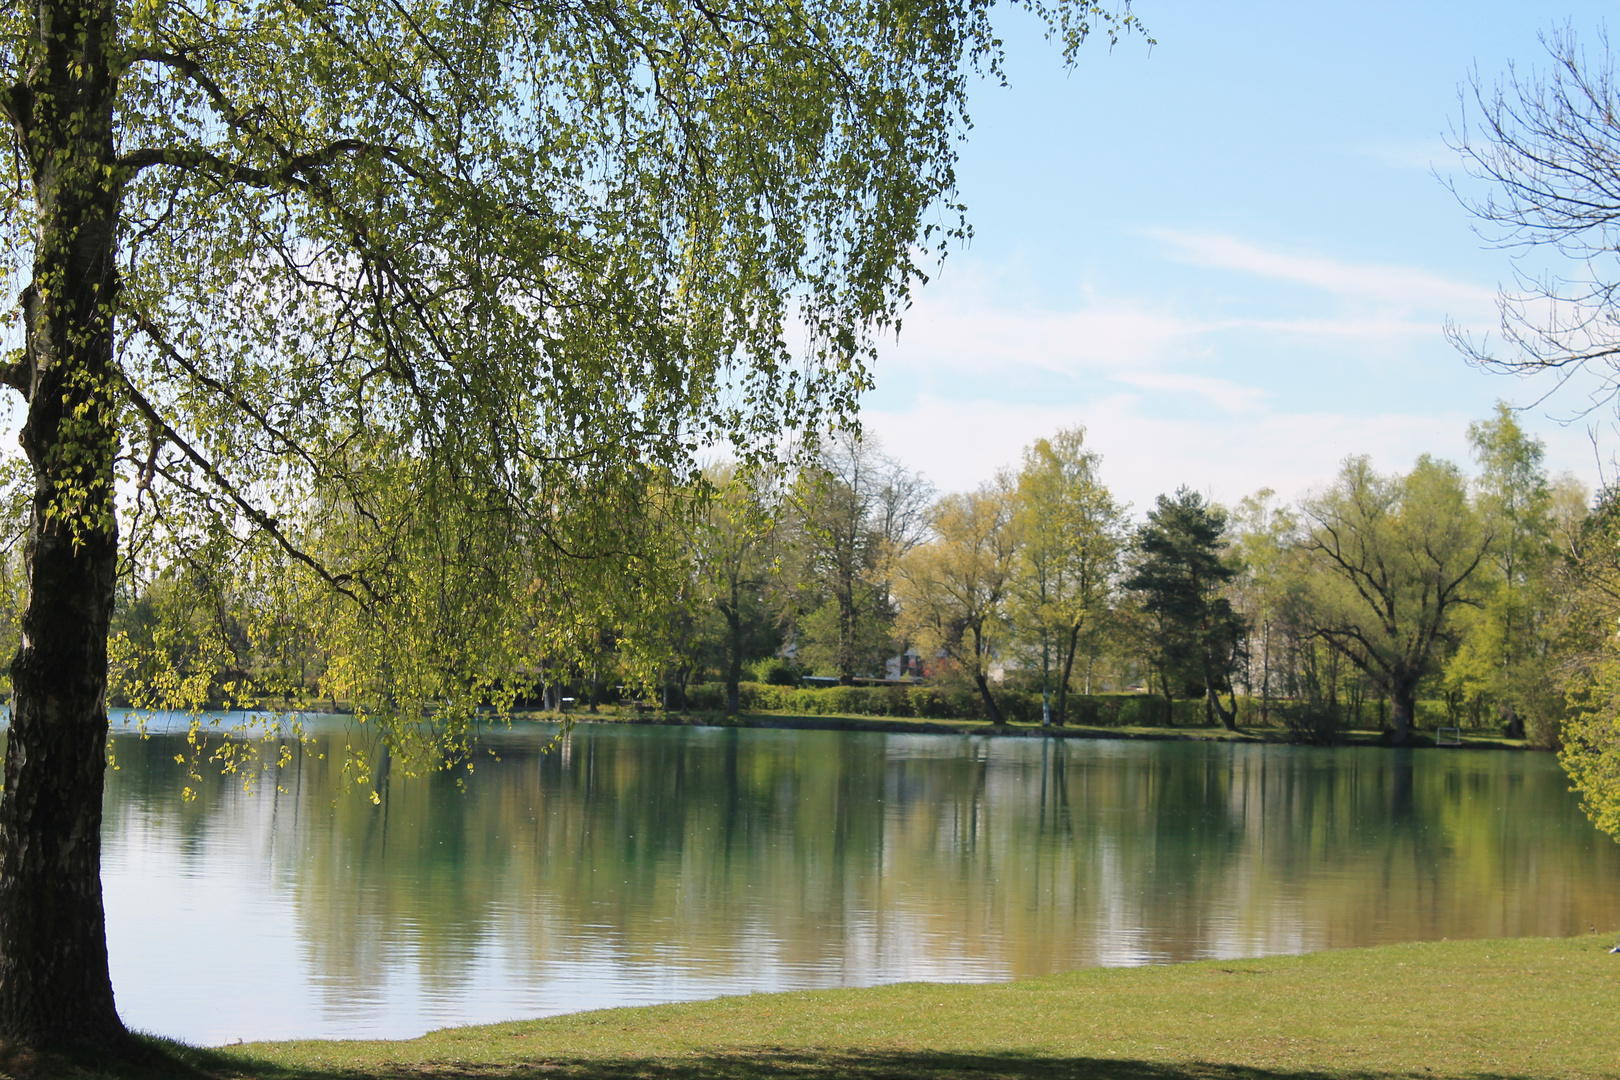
[1520, 1008]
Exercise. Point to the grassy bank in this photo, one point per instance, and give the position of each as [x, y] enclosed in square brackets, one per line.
[1522, 1008]
[825, 722]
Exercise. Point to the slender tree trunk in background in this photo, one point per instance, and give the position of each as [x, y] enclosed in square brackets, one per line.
[1046, 681]
[55, 991]
[991, 709]
[1228, 718]
[1212, 696]
[846, 630]
[1265, 675]
[1062, 716]
[734, 649]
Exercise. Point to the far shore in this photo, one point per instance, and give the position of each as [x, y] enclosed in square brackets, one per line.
[1427, 738]
[1471, 740]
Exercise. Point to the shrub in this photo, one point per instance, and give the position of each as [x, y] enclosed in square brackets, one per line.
[945, 701]
[1315, 723]
[1430, 713]
[706, 696]
[775, 671]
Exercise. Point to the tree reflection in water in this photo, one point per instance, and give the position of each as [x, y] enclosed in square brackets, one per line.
[646, 864]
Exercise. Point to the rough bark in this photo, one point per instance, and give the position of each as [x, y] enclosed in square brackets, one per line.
[1402, 705]
[55, 990]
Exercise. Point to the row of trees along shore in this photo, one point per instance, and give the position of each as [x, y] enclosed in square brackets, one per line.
[1475, 597]
[1379, 600]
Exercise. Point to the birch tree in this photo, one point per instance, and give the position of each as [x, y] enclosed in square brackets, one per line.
[1071, 531]
[473, 274]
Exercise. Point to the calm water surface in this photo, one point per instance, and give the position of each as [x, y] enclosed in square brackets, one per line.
[637, 865]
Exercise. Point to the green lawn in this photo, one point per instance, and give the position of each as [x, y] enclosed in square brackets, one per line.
[1518, 1008]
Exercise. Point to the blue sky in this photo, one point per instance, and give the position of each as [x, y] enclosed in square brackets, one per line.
[1228, 256]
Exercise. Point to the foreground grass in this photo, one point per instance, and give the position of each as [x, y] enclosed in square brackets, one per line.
[1521, 1008]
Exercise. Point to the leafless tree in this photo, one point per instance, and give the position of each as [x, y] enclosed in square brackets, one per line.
[1547, 144]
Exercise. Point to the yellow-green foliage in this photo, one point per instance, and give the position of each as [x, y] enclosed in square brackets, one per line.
[1591, 752]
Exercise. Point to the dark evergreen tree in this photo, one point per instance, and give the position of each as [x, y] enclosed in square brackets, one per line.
[1181, 575]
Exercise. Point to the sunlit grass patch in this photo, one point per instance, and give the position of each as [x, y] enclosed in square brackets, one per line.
[1517, 1008]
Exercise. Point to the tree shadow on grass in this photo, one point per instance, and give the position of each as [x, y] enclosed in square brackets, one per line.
[769, 1064]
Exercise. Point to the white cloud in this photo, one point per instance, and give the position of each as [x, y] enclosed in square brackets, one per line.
[1158, 385]
[1400, 286]
[961, 329]
[1222, 393]
[960, 444]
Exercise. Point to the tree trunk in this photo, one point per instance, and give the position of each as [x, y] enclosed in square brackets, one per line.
[846, 625]
[1228, 719]
[991, 709]
[733, 652]
[1062, 716]
[1046, 682]
[55, 990]
[1212, 697]
[1402, 706]
[1265, 676]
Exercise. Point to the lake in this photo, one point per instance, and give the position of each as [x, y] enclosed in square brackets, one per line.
[633, 865]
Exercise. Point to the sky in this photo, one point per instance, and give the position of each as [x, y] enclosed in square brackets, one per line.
[1230, 256]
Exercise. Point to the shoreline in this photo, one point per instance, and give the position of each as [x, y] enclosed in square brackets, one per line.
[617, 714]
[889, 725]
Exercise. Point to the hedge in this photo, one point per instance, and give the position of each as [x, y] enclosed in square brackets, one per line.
[938, 703]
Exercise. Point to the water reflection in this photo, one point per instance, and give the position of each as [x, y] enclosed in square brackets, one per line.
[649, 864]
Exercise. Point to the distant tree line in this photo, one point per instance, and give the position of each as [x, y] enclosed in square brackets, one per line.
[1479, 601]
[1469, 594]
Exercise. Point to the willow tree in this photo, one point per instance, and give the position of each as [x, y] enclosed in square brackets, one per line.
[1391, 561]
[444, 269]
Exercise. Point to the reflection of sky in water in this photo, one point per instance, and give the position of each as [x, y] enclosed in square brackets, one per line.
[642, 865]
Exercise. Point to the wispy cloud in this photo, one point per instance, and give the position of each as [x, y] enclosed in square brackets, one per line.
[1425, 155]
[1222, 393]
[962, 329]
[1397, 286]
[1225, 393]
[960, 444]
